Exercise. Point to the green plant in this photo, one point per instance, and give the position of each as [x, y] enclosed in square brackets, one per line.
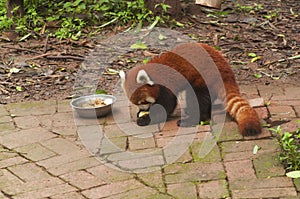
[290, 143]
[72, 18]
[248, 8]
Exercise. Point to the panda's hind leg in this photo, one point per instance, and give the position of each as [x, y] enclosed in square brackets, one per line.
[198, 108]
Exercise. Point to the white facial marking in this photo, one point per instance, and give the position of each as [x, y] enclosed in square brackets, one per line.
[143, 78]
[144, 106]
[150, 100]
[122, 76]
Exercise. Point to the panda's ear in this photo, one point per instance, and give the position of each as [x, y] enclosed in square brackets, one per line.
[143, 78]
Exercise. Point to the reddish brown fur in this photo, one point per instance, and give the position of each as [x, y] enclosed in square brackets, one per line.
[237, 107]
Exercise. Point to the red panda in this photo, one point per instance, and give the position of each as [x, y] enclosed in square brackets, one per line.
[145, 86]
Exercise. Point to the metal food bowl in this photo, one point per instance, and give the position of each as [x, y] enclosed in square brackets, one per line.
[79, 105]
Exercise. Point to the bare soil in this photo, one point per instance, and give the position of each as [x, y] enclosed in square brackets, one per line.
[261, 42]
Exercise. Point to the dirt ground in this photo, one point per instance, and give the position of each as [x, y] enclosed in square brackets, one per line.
[261, 40]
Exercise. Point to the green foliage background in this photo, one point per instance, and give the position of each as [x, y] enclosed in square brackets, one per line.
[74, 17]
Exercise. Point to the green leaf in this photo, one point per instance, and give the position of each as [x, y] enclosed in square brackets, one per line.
[161, 37]
[254, 59]
[251, 55]
[293, 174]
[100, 91]
[179, 24]
[257, 75]
[139, 45]
[19, 88]
[255, 149]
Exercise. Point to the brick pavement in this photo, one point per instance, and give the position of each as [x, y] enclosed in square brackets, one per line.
[44, 153]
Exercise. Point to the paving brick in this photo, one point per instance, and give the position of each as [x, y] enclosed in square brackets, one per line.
[5, 153]
[292, 92]
[32, 108]
[153, 179]
[6, 127]
[286, 102]
[248, 91]
[61, 146]
[281, 112]
[256, 102]
[111, 189]
[29, 172]
[269, 91]
[5, 119]
[140, 143]
[113, 145]
[297, 109]
[32, 185]
[243, 150]
[193, 172]
[183, 190]
[265, 193]
[12, 161]
[60, 160]
[74, 166]
[109, 174]
[27, 122]
[113, 131]
[3, 111]
[144, 192]
[63, 119]
[3, 196]
[45, 121]
[262, 112]
[213, 189]
[47, 192]
[8, 179]
[267, 165]
[35, 152]
[291, 126]
[25, 137]
[69, 195]
[264, 183]
[212, 156]
[142, 162]
[82, 179]
[64, 106]
[230, 131]
[64, 130]
[237, 170]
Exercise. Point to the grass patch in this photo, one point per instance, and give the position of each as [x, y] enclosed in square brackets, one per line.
[290, 143]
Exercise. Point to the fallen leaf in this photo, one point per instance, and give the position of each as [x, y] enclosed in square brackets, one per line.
[255, 149]
[139, 45]
[293, 174]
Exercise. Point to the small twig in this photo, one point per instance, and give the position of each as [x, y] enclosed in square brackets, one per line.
[65, 57]
[46, 44]
[283, 60]
[39, 56]
[3, 90]
[21, 49]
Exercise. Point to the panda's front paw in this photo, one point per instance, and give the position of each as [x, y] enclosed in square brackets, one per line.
[143, 120]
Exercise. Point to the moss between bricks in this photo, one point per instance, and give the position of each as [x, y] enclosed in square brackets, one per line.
[268, 165]
[297, 183]
[213, 156]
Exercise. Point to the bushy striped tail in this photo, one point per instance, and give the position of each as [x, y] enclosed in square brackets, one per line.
[244, 114]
